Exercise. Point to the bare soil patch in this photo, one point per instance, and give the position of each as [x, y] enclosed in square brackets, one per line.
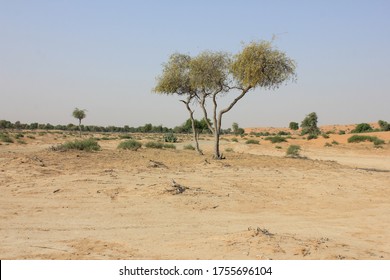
[256, 204]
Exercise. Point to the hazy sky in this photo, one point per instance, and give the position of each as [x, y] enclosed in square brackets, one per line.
[104, 56]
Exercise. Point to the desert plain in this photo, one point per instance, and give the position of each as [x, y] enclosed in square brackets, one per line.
[333, 202]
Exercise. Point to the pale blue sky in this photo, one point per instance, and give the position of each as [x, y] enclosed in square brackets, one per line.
[104, 56]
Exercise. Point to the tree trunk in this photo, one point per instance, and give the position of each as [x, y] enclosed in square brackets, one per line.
[80, 127]
[195, 134]
[194, 131]
[217, 154]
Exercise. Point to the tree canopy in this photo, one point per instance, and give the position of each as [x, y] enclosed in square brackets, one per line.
[212, 74]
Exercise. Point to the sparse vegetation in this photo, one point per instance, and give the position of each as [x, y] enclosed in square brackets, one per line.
[334, 142]
[325, 136]
[131, 144]
[170, 138]
[293, 151]
[276, 139]
[312, 136]
[365, 138]
[5, 138]
[169, 146]
[252, 141]
[229, 150]
[189, 147]
[234, 139]
[125, 136]
[341, 132]
[362, 127]
[154, 145]
[88, 145]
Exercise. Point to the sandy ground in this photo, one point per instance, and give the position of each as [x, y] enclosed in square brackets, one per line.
[255, 204]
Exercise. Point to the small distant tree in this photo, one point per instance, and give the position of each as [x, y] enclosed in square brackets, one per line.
[237, 130]
[362, 127]
[293, 125]
[384, 126]
[309, 125]
[79, 114]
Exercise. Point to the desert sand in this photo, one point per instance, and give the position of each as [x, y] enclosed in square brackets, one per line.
[255, 204]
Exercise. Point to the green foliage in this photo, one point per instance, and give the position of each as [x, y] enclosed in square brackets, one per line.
[169, 146]
[79, 114]
[283, 133]
[125, 136]
[293, 125]
[170, 138]
[378, 142]
[326, 136]
[20, 141]
[189, 147]
[312, 136]
[384, 126]
[237, 130]
[334, 142]
[154, 145]
[293, 151]
[252, 141]
[364, 138]
[81, 145]
[341, 132]
[276, 139]
[261, 65]
[131, 144]
[309, 124]
[5, 138]
[234, 139]
[362, 127]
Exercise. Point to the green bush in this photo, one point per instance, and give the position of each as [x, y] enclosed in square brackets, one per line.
[283, 133]
[252, 141]
[276, 139]
[341, 132]
[189, 147]
[19, 135]
[81, 145]
[293, 125]
[170, 138]
[384, 126]
[364, 138]
[334, 142]
[131, 144]
[293, 151]
[234, 139]
[312, 136]
[154, 145]
[326, 136]
[6, 138]
[169, 146]
[125, 136]
[378, 142]
[362, 127]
